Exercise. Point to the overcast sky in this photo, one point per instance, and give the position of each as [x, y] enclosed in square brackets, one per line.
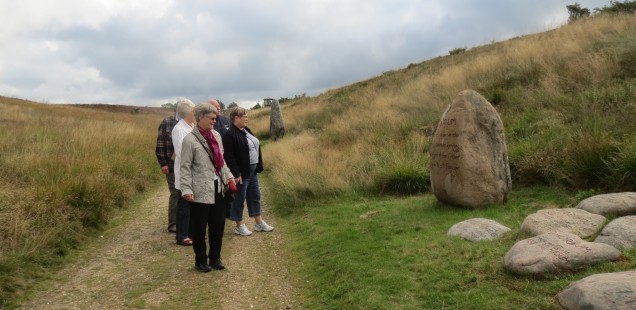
[150, 52]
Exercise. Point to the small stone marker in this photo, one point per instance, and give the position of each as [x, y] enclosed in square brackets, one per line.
[610, 204]
[276, 126]
[575, 221]
[555, 252]
[616, 291]
[468, 156]
[478, 229]
[620, 233]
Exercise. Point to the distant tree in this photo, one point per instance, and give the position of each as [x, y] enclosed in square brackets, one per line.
[458, 50]
[221, 104]
[576, 12]
[256, 107]
[618, 7]
[283, 99]
[169, 105]
[232, 105]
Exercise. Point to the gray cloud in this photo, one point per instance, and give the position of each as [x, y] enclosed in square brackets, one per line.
[151, 52]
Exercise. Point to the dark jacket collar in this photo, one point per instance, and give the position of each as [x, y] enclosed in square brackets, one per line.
[247, 129]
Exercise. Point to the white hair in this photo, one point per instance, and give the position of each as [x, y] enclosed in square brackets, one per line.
[184, 106]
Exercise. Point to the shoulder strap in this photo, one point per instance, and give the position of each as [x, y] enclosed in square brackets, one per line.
[205, 148]
[220, 175]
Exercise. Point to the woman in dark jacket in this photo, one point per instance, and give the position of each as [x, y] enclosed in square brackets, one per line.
[243, 157]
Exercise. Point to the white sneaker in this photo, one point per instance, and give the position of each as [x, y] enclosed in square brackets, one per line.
[263, 227]
[242, 230]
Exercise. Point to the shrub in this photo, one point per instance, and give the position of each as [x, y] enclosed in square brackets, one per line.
[456, 51]
[403, 180]
[619, 7]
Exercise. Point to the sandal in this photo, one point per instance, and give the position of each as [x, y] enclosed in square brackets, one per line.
[186, 241]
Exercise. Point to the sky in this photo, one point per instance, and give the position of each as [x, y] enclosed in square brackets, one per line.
[152, 52]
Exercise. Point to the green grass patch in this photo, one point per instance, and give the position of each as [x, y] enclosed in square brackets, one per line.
[387, 253]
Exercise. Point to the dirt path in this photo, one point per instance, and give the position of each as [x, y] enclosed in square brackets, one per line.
[136, 264]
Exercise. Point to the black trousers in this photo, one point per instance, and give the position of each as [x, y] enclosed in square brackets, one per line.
[212, 217]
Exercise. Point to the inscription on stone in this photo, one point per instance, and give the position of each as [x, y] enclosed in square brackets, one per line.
[554, 252]
[556, 249]
[447, 152]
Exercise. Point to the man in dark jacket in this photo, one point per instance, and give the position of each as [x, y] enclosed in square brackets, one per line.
[223, 122]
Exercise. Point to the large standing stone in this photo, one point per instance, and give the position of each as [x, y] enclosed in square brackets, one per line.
[616, 291]
[575, 221]
[620, 233]
[610, 204]
[276, 126]
[556, 252]
[478, 229]
[468, 156]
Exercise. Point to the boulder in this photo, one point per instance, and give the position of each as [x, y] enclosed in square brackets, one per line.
[468, 155]
[555, 252]
[276, 126]
[617, 204]
[478, 229]
[616, 291]
[620, 233]
[570, 220]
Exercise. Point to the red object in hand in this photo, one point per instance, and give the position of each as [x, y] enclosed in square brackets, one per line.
[232, 187]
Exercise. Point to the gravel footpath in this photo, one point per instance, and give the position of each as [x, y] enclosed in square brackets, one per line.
[136, 264]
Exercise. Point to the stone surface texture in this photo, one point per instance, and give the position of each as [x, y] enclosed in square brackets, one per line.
[276, 125]
[610, 204]
[615, 291]
[478, 229]
[468, 157]
[556, 252]
[570, 220]
[620, 233]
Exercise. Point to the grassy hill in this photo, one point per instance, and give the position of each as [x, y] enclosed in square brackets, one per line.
[566, 97]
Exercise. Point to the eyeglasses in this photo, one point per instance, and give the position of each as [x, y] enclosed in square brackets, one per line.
[212, 118]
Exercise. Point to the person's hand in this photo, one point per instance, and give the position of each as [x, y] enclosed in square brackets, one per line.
[165, 169]
[232, 187]
[239, 180]
[188, 197]
[231, 181]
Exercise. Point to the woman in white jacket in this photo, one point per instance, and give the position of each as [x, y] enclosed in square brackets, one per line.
[185, 114]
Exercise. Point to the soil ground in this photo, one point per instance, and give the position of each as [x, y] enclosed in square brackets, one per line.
[136, 264]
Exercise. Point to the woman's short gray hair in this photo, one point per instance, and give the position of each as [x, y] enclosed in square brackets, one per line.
[184, 107]
[203, 109]
[237, 112]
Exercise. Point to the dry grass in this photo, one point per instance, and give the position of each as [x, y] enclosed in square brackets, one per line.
[64, 171]
[547, 87]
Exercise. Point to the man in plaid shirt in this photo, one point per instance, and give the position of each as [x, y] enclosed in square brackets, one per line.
[165, 156]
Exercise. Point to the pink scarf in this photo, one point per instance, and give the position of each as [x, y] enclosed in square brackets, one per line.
[214, 146]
